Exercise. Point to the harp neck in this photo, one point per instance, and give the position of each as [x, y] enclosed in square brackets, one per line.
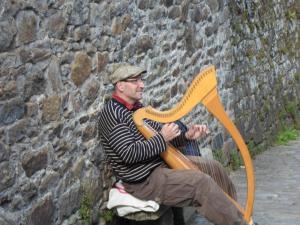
[203, 84]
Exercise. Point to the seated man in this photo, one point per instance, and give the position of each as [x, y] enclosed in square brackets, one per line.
[137, 162]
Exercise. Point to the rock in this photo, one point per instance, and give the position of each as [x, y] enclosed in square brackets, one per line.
[27, 25]
[89, 132]
[51, 108]
[81, 68]
[35, 84]
[7, 31]
[56, 25]
[4, 153]
[17, 131]
[166, 3]
[144, 43]
[54, 83]
[90, 91]
[69, 201]
[11, 111]
[82, 33]
[28, 190]
[34, 161]
[174, 12]
[49, 180]
[42, 212]
[34, 54]
[184, 10]
[7, 175]
[7, 218]
[80, 12]
[102, 60]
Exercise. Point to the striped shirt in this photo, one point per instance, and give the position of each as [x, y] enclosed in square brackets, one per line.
[131, 156]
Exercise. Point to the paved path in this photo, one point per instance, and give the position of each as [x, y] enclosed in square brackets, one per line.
[277, 197]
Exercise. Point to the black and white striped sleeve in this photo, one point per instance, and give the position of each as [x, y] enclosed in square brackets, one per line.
[131, 151]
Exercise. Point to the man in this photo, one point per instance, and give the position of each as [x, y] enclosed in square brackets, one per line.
[137, 163]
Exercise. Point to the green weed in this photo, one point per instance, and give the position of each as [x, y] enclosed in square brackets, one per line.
[287, 135]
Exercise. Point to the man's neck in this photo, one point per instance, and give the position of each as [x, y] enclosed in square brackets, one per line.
[123, 100]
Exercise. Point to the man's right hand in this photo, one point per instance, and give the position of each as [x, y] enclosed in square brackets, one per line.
[170, 131]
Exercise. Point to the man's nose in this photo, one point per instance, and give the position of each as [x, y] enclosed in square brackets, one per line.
[141, 84]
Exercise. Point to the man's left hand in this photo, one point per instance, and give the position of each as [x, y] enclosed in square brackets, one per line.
[196, 131]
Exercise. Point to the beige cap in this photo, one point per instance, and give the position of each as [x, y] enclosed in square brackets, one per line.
[125, 71]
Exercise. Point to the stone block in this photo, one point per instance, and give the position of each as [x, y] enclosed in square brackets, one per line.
[42, 212]
[102, 60]
[56, 25]
[51, 108]
[17, 131]
[11, 111]
[7, 175]
[27, 25]
[69, 201]
[54, 77]
[81, 68]
[7, 31]
[4, 153]
[34, 161]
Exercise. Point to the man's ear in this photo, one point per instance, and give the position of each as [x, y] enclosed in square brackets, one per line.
[120, 86]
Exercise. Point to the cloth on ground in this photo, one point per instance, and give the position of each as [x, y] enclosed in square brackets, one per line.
[125, 203]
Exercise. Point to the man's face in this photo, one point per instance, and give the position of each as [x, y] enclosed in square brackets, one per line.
[132, 88]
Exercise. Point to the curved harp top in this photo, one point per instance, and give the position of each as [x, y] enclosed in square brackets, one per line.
[202, 90]
[202, 84]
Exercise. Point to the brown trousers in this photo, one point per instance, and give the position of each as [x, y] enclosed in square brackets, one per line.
[203, 189]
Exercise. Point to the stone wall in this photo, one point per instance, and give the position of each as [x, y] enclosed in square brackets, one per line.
[55, 57]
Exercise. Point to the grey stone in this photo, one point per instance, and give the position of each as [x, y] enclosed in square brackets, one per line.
[144, 43]
[7, 31]
[4, 152]
[49, 180]
[174, 12]
[51, 108]
[213, 5]
[80, 12]
[42, 212]
[28, 190]
[99, 14]
[217, 141]
[90, 91]
[11, 111]
[54, 83]
[17, 131]
[145, 4]
[82, 33]
[69, 201]
[81, 68]
[34, 54]
[167, 3]
[102, 60]
[7, 175]
[34, 161]
[35, 84]
[27, 25]
[10, 60]
[184, 10]
[56, 25]
[7, 218]
[210, 30]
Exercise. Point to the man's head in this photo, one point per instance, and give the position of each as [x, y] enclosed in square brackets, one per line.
[128, 82]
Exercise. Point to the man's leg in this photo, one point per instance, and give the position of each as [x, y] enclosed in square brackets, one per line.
[214, 169]
[178, 217]
[188, 188]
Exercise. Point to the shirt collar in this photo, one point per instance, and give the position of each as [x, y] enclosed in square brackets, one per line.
[128, 105]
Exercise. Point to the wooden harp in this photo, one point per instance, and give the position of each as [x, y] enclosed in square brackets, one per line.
[202, 90]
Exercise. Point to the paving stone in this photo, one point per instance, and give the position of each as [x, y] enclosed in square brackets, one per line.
[277, 192]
